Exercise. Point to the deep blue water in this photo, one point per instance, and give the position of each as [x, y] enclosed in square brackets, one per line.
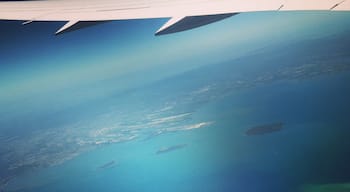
[92, 136]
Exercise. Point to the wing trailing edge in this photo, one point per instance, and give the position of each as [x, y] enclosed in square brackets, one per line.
[173, 25]
[177, 24]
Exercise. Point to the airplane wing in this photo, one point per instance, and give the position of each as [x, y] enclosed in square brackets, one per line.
[183, 14]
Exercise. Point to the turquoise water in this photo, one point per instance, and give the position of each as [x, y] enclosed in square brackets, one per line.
[219, 157]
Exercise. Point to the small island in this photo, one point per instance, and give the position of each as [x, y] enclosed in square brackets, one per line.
[264, 129]
[171, 148]
[108, 165]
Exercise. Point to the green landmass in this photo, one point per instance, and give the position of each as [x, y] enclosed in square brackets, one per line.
[334, 187]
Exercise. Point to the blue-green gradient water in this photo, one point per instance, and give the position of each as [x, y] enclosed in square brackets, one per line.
[180, 125]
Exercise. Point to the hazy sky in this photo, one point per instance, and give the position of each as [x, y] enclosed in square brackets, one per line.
[40, 69]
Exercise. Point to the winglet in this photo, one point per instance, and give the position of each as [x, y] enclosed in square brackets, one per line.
[66, 27]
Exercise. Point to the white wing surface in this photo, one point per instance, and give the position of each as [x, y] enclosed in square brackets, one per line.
[185, 14]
